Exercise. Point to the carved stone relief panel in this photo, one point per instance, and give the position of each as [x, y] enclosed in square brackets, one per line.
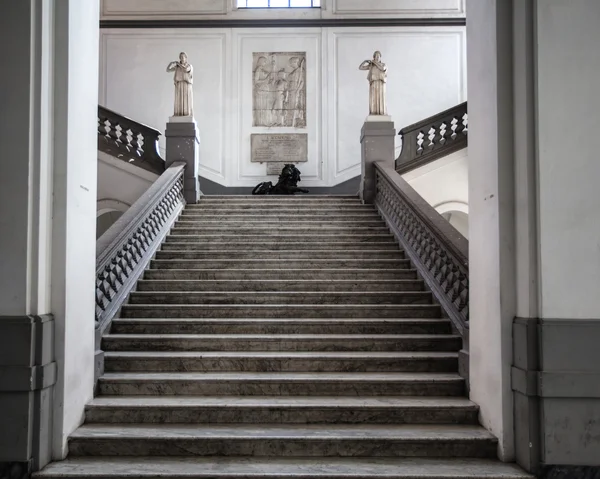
[279, 89]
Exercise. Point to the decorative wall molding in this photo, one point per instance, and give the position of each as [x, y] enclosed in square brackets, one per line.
[246, 43]
[29, 372]
[555, 378]
[285, 23]
[133, 82]
[211, 165]
[162, 8]
[338, 171]
[226, 10]
[396, 7]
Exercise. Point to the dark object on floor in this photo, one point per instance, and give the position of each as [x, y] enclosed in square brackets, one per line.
[287, 184]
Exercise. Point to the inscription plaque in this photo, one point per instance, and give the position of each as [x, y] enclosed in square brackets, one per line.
[279, 148]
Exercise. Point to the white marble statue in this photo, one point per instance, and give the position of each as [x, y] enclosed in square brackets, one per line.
[183, 78]
[377, 79]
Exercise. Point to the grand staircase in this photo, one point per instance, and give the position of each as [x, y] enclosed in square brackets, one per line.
[281, 337]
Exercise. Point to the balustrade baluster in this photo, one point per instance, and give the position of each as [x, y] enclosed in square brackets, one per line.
[436, 249]
[433, 138]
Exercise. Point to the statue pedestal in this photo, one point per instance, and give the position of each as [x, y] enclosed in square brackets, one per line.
[377, 144]
[378, 118]
[183, 144]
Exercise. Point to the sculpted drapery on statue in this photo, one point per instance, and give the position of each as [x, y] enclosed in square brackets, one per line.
[183, 79]
[377, 79]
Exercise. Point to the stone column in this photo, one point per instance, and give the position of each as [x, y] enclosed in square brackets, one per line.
[377, 140]
[183, 144]
[48, 124]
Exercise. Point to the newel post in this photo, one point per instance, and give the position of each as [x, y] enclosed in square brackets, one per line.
[377, 140]
[183, 144]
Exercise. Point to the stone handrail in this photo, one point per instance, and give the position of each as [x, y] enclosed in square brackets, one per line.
[124, 251]
[128, 140]
[433, 138]
[436, 248]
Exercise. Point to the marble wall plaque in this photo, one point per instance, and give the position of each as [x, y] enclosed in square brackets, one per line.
[279, 147]
[279, 89]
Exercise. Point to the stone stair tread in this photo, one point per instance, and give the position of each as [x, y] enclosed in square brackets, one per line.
[282, 306]
[199, 246]
[265, 412]
[282, 261]
[281, 321]
[280, 468]
[288, 223]
[326, 402]
[285, 236]
[280, 337]
[291, 270]
[288, 293]
[367, 432]
[286, 281]
[284, 354]
[268, 252]
[281, 376]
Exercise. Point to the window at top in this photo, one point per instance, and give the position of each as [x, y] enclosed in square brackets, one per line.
[279, 3]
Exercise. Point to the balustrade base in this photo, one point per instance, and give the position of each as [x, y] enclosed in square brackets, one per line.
[183, 144]
[377, 141]
[379, 118]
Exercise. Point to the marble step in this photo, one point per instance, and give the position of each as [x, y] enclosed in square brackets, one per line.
[271, 246]
[281, 285]
[268, 263]
[279, 297]
[355, 274]
[186, 229]
[269, 199]
[265, 311]
[281, 254]
[280, 238]
[281, 342]
[200, 221]
[281, 384]
[265, 215]
[231, 361]
[280, 410]
[276, 440]
[331, 208]
[280, 326]
[141, 467]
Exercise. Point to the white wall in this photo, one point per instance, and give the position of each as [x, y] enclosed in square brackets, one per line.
[492, 298]
[569, 168]
[74, 213]
[226, 9]
[444, 184]
[426, 75]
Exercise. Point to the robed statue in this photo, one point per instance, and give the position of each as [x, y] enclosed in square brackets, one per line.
[183, 79]
[377, 79]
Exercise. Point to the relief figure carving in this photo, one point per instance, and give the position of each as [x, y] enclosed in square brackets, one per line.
[279, 89]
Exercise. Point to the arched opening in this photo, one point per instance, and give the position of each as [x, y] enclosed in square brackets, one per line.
[458, 219]
[108, 211]
[106, 220]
